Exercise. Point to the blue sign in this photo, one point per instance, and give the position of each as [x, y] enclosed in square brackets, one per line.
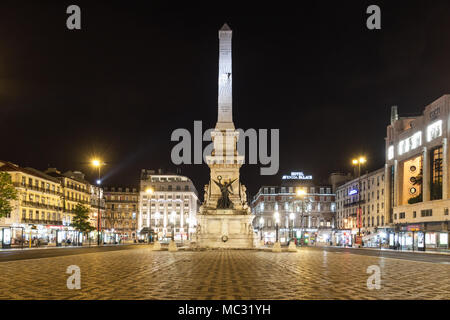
[352, 192]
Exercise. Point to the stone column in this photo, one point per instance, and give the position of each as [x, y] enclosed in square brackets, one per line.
[396, 185]
[387, 192]
[425, 176]
[445, 169]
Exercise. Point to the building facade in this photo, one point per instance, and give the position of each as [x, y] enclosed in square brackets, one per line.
[417, 181]
[44, 208]
[167, 203]
[367, 195]
[308, 217]
[121, 213]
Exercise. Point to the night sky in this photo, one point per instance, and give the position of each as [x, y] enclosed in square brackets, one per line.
[139, 70]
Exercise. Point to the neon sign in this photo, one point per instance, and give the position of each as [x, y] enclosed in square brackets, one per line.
[297, 176]
[352, 192]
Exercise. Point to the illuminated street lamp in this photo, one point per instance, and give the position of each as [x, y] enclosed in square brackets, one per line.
[276, 216]
[157, 217]
[98, 164]
[360, 161]
[292, 218]
[149, 191]
[301, 193]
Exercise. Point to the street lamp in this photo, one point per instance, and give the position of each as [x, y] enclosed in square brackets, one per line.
[261, 226]
[172, 218]
[276, 216]
[301, 193]
[157, 217]
[98, 164]
[358, 162]
[292, 218]
[149, 191]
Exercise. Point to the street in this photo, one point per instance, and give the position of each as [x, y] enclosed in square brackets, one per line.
[136, 272]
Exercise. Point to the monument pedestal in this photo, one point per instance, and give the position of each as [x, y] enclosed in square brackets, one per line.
[225, 228]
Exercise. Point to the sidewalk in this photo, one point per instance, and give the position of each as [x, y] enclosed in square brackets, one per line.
[26, 248]
[444, 252]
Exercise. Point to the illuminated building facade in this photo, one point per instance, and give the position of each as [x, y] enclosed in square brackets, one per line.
[417, 184]
[167, 201]
[309, 218]
[366, 193]
[120, 216]
[45, 204]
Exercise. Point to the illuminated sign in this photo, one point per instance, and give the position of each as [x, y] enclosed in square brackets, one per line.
[297, 176]
[434, 130]
[352, 192]
[410, 143]
[390, 152]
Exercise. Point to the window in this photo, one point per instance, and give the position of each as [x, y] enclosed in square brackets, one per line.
[402, 215]
[436, 172]
[426, 213]
[414, 214]
[446, 212]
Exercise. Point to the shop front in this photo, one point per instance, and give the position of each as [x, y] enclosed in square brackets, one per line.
[420, 237]
[343, 238]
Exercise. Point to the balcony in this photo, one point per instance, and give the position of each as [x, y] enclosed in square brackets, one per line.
[354, 203]
[40, 205]
[39, 221]
[36, 188]
[77, 188]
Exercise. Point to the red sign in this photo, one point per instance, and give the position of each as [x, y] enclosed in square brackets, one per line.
[358, 218]
[358, 240]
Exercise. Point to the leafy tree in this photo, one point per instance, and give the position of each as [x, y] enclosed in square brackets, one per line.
[80, 221]
[7, 193]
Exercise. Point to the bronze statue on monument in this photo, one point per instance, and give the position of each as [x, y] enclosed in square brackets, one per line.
[224, 202]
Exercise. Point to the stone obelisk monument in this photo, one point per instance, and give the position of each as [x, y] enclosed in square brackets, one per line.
[225, 219]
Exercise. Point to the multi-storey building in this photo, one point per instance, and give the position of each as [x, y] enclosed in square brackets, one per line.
[168, 202]
[121, 212]
[75, 190]
[417, 183]
[39, 210]
[309, 217]
[367, 194]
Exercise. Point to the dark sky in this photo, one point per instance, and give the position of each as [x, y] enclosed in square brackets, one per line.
[138, 70]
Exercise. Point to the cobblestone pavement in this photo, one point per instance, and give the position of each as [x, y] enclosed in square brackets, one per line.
[232, 274]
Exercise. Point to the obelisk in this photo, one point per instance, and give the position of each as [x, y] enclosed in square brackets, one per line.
[225, 219]
[225, 96]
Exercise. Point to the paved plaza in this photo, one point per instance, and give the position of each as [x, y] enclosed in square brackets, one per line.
[139, 273]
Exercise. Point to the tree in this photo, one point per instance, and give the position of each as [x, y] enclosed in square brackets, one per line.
[7, 194]
[80, 221]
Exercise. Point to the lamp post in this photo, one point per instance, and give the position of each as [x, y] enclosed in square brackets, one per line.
[149, 191]
[301, 194]
[261, 226]
[360, 161]
[98, 164]
[172, 218]
[157, 216]
[276, 216]
[292, 218]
